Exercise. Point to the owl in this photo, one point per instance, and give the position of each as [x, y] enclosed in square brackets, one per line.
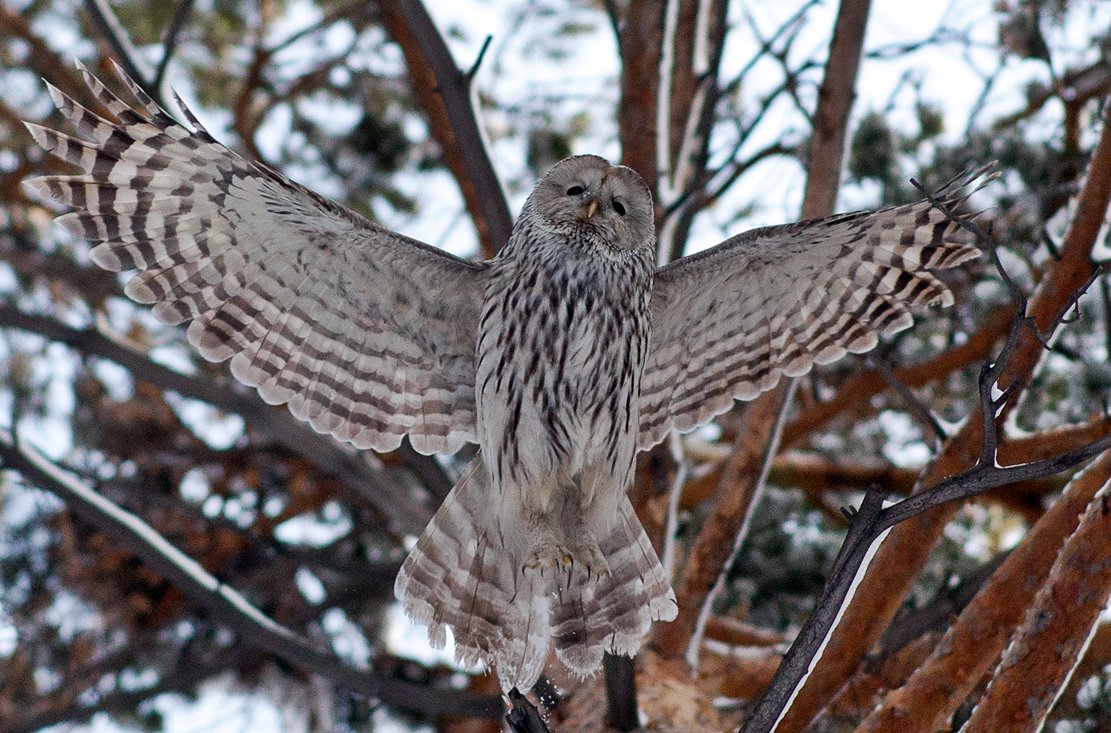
[561, 358]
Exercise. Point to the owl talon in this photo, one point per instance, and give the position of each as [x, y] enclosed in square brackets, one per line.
[589, 558]
[548, 554]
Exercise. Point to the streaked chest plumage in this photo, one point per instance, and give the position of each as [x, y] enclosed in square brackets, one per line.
[562, 344]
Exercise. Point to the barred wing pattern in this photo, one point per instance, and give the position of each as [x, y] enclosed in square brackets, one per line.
[366, 334]
[727, 323]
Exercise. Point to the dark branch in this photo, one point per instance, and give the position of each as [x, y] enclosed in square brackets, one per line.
[523, 717]
[939, 613]
[367, 482]
[228, 606]
[621, 692]
[108, 27]
[169, 41]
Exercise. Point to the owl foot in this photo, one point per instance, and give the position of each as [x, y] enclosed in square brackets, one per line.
[589, 559]
[548, 555]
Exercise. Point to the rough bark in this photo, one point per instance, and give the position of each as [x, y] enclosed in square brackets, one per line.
[1043, 654]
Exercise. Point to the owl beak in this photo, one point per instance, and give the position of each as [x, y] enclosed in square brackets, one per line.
[592, 208]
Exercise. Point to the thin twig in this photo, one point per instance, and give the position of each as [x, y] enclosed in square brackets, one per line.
[919, 408]
[478, 59]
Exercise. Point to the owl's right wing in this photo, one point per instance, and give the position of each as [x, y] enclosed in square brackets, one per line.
[366, 334]
[728, 322]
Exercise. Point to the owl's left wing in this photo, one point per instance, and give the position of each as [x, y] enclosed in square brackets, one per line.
[366, 334]
[728, 322]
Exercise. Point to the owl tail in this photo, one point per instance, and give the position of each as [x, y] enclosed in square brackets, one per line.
[464, 574]
[592, 615]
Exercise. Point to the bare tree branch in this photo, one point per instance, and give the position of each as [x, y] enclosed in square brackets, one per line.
[366, 482]
[226, 604]
[170, 39]
[621, 692]
[835, 98]
[447, 95]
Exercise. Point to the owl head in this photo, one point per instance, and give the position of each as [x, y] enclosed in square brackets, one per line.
[587, 199]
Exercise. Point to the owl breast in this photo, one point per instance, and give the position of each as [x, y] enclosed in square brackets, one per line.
[561, 348]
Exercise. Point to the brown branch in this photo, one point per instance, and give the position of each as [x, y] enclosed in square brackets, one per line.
[900, 557]
[1096, 657]
[245, 117]
[1041, 657]
[970, 647]
[444, 92]
[641, 44]
[1052, 442]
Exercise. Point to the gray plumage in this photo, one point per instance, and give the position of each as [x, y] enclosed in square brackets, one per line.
[561, 357]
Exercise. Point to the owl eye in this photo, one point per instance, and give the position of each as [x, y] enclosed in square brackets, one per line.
[575, 190]
[619, 208]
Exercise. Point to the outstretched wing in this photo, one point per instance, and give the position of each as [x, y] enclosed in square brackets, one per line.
[728, 322]
[366, 334]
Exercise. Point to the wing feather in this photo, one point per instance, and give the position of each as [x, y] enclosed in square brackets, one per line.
[729, 322]
[366, 334]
